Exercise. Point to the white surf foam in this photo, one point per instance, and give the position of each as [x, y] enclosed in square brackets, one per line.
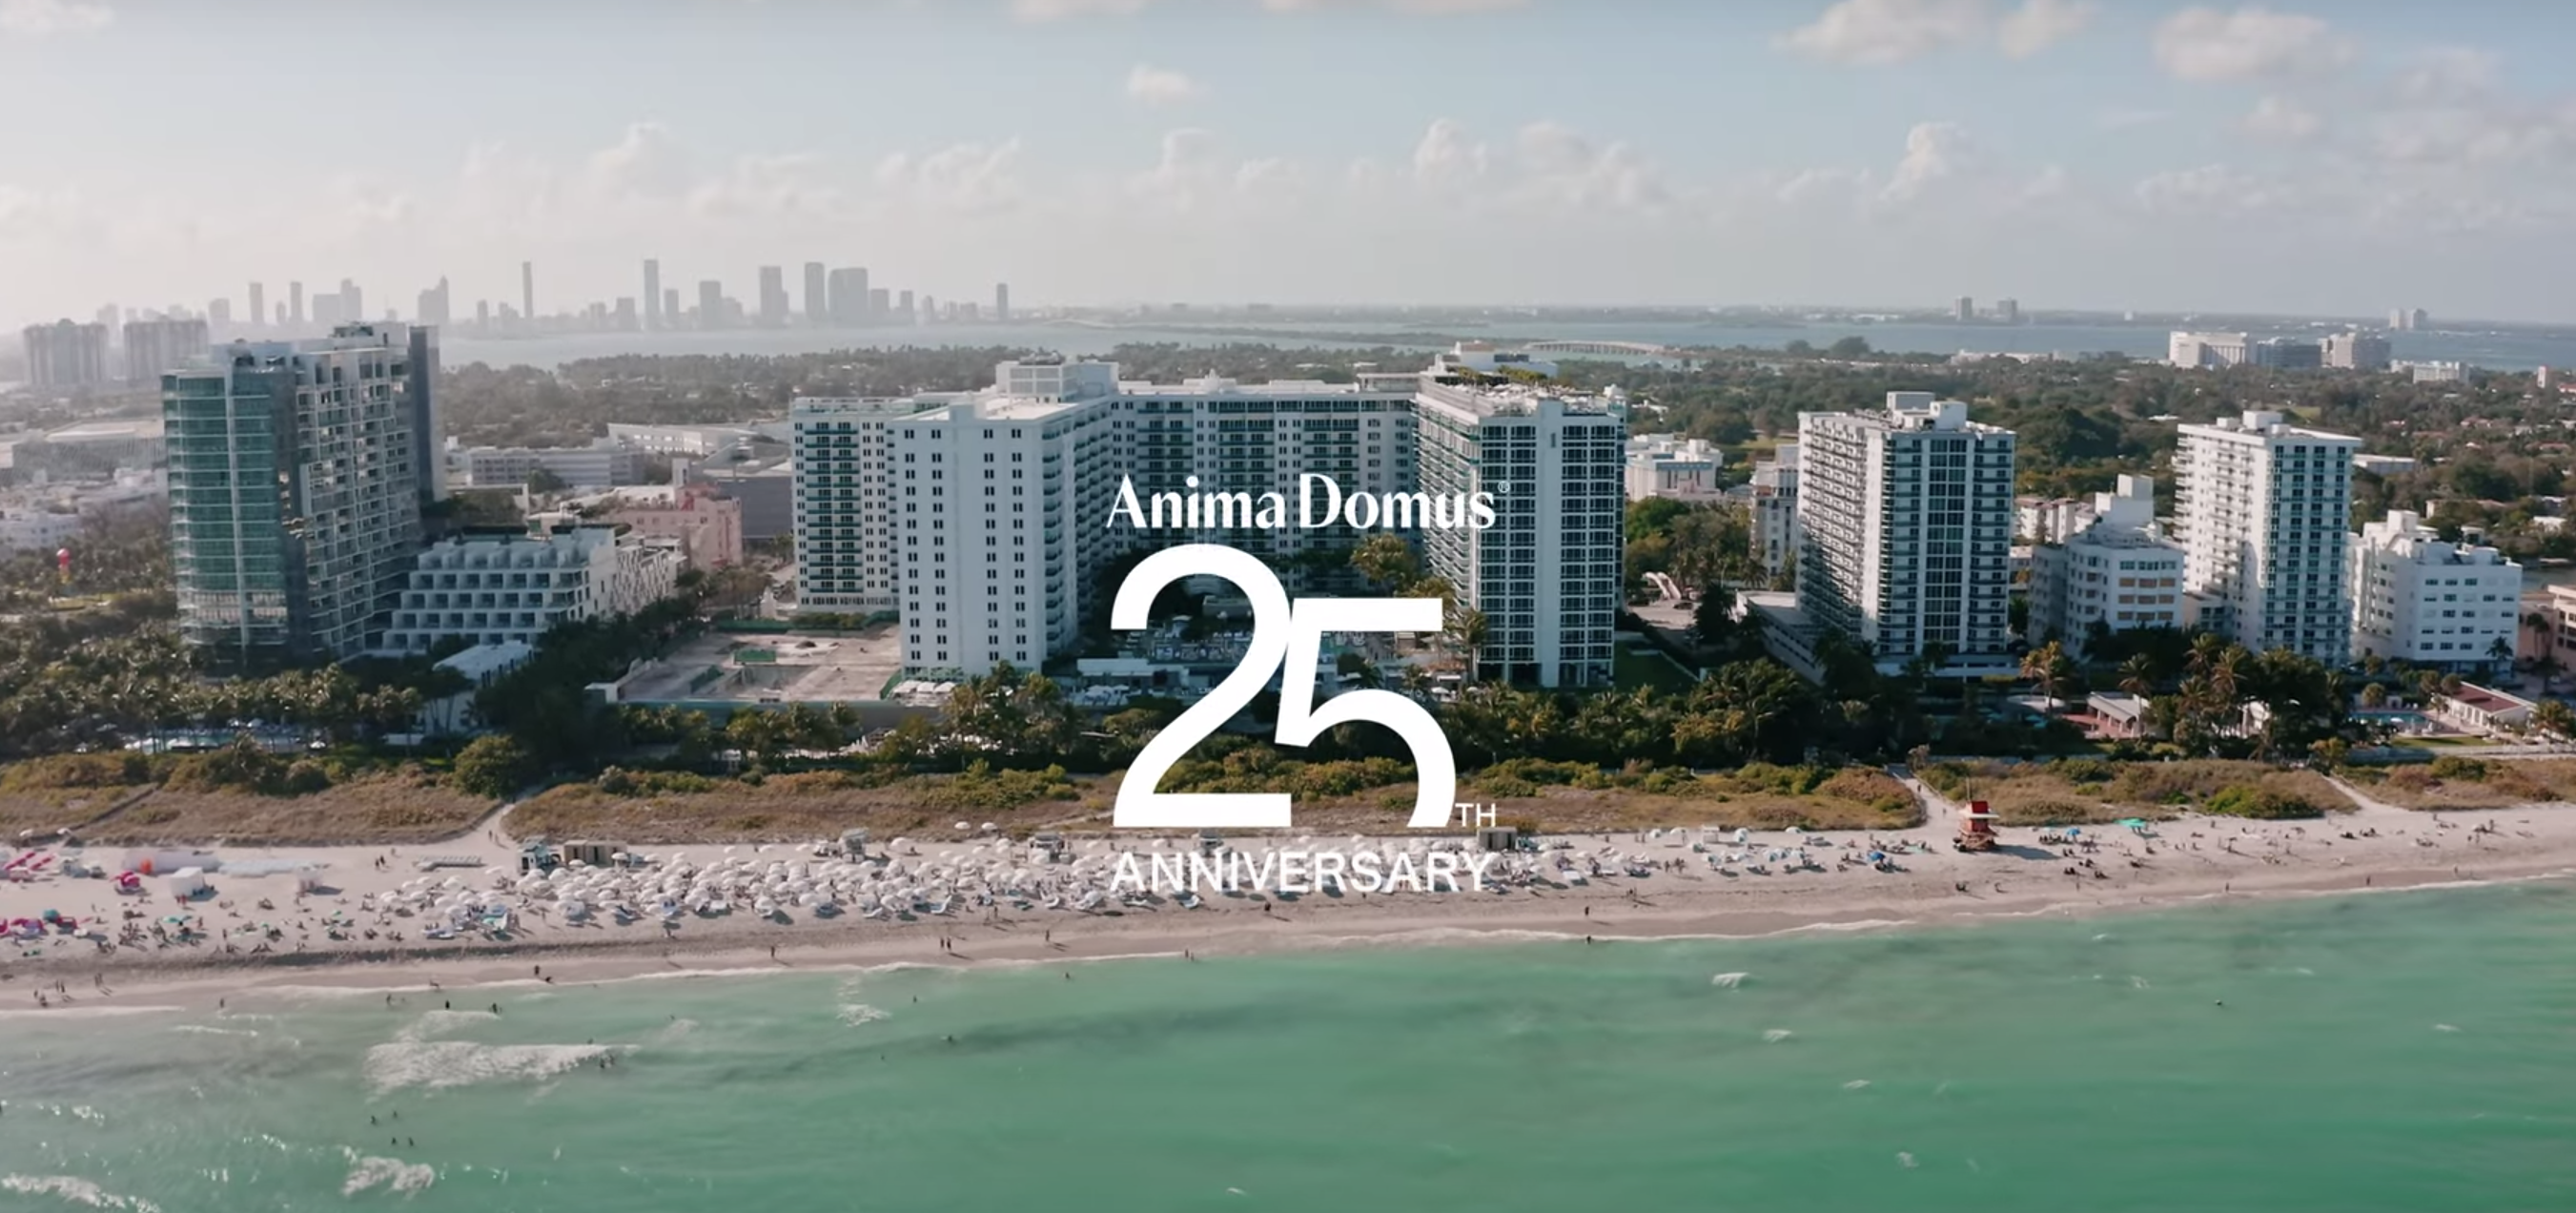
[76, 1191]
[1728, 981]
[1776, 1035]
[432, 1064]
[856, 1013]
[391, 1174]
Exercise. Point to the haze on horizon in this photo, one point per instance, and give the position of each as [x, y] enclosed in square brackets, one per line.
[2335, 160]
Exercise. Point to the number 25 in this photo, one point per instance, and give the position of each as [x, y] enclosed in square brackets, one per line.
[1289, 638]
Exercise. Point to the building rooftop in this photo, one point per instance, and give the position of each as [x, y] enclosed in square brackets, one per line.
[485, 660]
[2265, 423]
[107, 430]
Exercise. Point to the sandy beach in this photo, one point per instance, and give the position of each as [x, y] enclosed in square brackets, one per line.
[348, 938]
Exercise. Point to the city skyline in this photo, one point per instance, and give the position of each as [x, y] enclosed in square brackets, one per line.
[2150, 156]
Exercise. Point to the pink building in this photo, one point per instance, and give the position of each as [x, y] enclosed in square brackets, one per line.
[707, 524]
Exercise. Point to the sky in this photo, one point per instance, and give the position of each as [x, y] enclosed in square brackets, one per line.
[2332, 159]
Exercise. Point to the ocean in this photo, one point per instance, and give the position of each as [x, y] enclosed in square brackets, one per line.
[2401, 1051]
[2505, 350]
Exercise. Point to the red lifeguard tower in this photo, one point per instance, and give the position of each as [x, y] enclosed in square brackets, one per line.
[1976, 828]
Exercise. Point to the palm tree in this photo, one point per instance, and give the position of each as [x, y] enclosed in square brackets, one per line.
[2138, 675]
[2374, 695]
[2047, 665]
[2500, 652]
[1468, 631]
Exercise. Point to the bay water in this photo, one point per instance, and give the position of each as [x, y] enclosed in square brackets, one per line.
[2386, 1051]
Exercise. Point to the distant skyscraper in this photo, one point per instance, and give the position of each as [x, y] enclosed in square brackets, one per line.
[1001, 303]
[66, 354]
[1965, 310]
[849, 297]
[528, 290]
[624, 313]
[773, 296]
[880, 302]
[670, 307]
[2419, 319]
[818, 294]
[258, 305]
[653, 313]
[295, 304]
[711, 304]
[903, 309]
[2008, 311]
[219, 313]
[295, 491]
[483, 314]
[433, 304]
[155, 346]
[353, 305]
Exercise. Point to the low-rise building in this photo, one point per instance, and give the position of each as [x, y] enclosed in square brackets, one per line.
[2383, 465]
[2417, 598]
[2117, 574]
[1669, 465]
[2483, 709]
[2357, 351]
[706, 524]
[91, 449]
[689, 441]
[480, 666]
[1775, 510]
[510, 586]
[602, 465]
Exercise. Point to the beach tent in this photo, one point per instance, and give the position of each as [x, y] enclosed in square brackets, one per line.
[188, 882]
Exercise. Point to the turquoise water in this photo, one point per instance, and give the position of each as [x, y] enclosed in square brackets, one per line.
[2399, 1051]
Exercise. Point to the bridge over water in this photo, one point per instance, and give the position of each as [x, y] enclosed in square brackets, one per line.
[1623, 349]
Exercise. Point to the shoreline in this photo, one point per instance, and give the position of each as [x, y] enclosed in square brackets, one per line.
[185, 984]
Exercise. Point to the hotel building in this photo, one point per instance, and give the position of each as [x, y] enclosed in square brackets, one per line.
[295, 490]
[996, 505]
[2417, 598]
[1906, 521]
[2260, 508]
[1775, 510]
[497, 589]
[2113, 574]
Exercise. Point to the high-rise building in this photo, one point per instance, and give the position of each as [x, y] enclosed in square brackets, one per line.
[294, 491]
[1051, 443]
[2286, 354]
[773, 296]
[528, 291]
[433, 308]
[843, 496]
[655, 316]
[258, 305]
[2260, 507]
[1001, 303]
[66, 354]
[428, 428]
[1964, 309]
[2418, 599]
[2116, 573]
[1775, 510]
[880, 303]
[1906, 522]
[818, 295]
[2008, 311]
[2356, 351]
[219, 313]
[903, 313]
[295, 304]
[353, 302]
[711, 304]
[849, 297]
[154, 346]
[670, 307]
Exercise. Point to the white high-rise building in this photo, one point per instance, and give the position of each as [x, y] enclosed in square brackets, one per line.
[1775, 510]
[995, 505]
[2260, 508]
[843, 485]
[1547, 573]
[1906, 521]
[2417, 598]
[2115, 573]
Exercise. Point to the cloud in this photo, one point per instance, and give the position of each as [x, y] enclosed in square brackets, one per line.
[2040, 24]
[2276, 118]
[1447, 157]
[1934, 152]
[2208, 190]
[38, 18]
[971, 179]
[645, 160]
[1160, 86]
[2449, 74]
[1879, 32]
[1426, 8]
[2123, 118]
[2254, 43]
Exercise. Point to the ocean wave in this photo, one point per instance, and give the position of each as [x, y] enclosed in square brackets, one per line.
[1728, 981]
[205, 1030]
[434, 1024]
[76, 1009]
[392, 1174]
[433, 1064]
[1776, 1035]
[856, 1013]
[75, 1190]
